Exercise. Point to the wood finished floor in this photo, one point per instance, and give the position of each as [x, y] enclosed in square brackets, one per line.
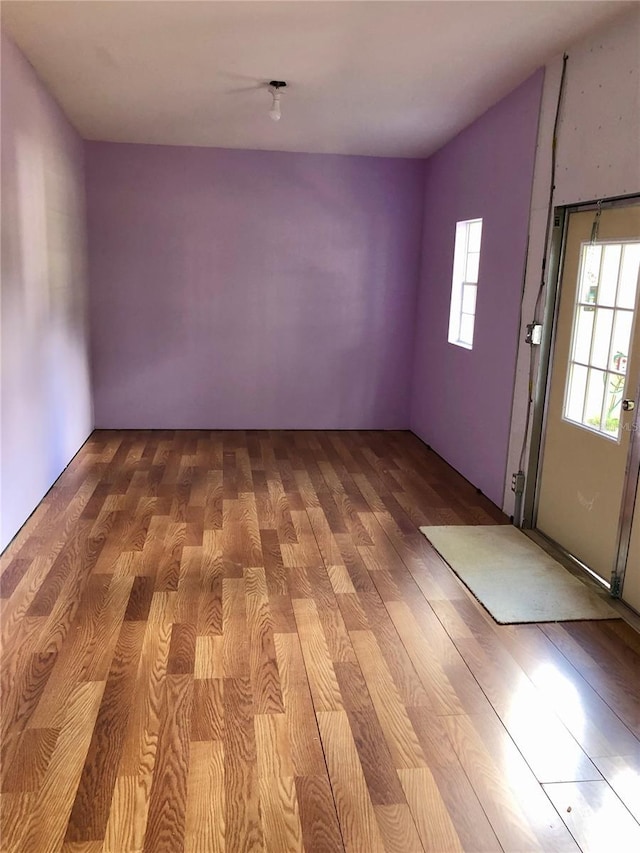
[240, 642]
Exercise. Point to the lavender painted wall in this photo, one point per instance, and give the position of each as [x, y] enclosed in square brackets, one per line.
[46, 398]
[246, 289]
[461, 399]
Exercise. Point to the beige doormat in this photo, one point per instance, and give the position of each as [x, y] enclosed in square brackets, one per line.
[513, 578]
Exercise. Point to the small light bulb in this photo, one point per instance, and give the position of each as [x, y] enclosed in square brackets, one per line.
[274, 112]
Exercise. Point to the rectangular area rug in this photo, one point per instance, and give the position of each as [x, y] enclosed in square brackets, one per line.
[513, 578]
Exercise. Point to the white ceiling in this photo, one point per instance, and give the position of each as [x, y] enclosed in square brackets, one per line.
[382, 78]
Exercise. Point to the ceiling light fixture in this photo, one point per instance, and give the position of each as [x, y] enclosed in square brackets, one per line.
[274, 88]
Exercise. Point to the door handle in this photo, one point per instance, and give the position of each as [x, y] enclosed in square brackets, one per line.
[628, 405]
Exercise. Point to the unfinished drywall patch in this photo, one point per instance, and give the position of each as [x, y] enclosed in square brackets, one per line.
[599, 138]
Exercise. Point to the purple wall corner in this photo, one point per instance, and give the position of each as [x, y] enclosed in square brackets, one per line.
[46, 393]
[461, 399]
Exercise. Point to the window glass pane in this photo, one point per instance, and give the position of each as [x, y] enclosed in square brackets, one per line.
[613, 404]
[466, 329]
[590, 273]
[621, 341]
[582, 339]
[629, 276]
[575, 392]
[594, 398]
[602, 335]
[473, 263]
[608, 283]
[469, 298]
[602, 338]
[464, 291]
[475, 232]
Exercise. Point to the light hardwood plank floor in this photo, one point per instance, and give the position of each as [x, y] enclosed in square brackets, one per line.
[239, 641]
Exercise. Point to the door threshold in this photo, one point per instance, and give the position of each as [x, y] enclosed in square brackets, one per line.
[579, 570]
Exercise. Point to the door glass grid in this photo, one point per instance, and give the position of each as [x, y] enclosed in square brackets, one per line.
[601, 337]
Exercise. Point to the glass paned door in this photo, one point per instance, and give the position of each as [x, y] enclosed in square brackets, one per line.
[595, 369]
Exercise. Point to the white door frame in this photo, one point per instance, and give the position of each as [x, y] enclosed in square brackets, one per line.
[555, 263]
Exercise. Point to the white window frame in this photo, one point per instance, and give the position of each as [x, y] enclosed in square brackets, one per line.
[459, 281]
